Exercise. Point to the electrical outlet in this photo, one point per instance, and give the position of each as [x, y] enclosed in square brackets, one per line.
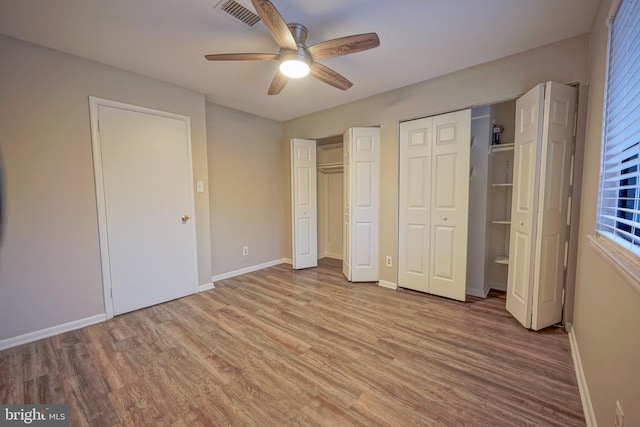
[245, 250]
[389, 261]
[619, 415]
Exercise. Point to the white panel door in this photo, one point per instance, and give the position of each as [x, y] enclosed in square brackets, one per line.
[145, 204]
[304, 203]
[434, 204]
[528, 138]
[414, 202]
[552, 227]
[364, 182]
[450, 204]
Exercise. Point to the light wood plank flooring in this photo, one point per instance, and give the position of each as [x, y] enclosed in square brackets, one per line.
[278, 347]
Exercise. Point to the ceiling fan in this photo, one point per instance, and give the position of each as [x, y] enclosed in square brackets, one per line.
[296, 58]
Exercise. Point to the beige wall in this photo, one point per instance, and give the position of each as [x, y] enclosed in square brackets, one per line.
[50, 270]
[507, 78]
[246, 172]
[607, 308]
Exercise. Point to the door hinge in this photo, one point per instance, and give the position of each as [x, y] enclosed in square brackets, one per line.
[111, 292]
[98, 126]
[575, 123]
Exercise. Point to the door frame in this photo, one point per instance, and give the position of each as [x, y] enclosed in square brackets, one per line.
[94, 104]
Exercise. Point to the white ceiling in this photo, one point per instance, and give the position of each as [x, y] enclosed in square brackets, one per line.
[419, 40]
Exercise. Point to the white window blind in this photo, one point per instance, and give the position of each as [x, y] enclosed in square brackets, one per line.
[618, 215]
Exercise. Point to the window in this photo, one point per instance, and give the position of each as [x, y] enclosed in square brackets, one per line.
[618, 215]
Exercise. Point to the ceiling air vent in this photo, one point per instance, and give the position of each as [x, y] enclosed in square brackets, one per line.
[239, 12]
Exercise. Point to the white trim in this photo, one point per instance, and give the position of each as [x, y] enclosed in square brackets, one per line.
[250, 269]
[94, 104]
[497, 286]
[621, 260]
[389, 285]
[51, 331]
[482, 293]
[206, 287]
[101, 207]
[330, 255]
[613, 10]
[587, 407]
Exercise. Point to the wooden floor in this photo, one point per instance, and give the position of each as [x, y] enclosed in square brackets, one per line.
[278, 347]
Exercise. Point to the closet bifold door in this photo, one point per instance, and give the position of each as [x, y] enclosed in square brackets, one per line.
[526, 160]
[361, 206]
[434, 204]
[542, 161]
[415, 204]
[304, 210]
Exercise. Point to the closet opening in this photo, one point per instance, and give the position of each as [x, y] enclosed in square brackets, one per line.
[335, 201]
[330, 182]
[485, 202]
[490, 196]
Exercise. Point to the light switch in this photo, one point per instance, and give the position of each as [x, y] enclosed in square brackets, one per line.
[199, 186]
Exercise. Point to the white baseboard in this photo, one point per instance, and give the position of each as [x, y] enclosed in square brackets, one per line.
[587, 407]
[498, 286]
[249, 269]
[49, 332]
[330, 255]
[482, 293]
[389, 285]
[206, 287]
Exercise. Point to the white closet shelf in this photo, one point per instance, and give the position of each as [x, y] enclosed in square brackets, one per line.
[501, 221]
[507, 146]
[331, 167]
[503, 184]
[502, 260]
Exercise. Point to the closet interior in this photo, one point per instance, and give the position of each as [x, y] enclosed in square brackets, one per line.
[490, 195]
[330, 196]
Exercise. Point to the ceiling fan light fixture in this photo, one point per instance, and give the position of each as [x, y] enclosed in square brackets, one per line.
[294, 68]
[294, 65]
[296, 58]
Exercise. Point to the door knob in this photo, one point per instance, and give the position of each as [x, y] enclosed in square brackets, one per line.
[444, 218]
[185, 218]
[521, 222]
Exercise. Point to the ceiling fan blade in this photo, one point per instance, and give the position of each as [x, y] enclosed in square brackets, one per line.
[275, 24]
[277, 84]
[329, 76]
[242, 57]
[344, 46]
